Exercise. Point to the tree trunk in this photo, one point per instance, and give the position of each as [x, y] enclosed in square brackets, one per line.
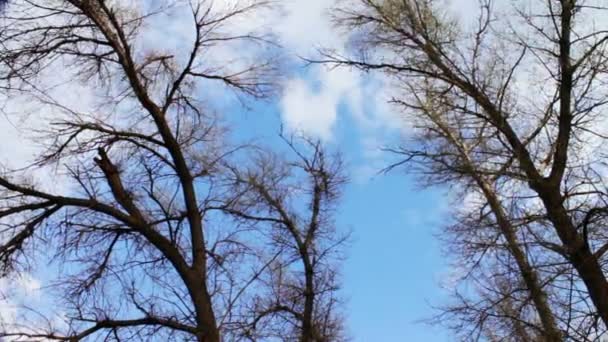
[308, 334]
[579, 252]
[551, 332]
[207, 330]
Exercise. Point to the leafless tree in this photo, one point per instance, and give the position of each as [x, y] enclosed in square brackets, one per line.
[523, 96]
[444, 154]
[294, 202]
[135, 251]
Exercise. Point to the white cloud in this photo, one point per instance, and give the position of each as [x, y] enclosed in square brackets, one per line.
[311, 101]
[13, 293]
[307, 111]
[311, 105]
[306, 26]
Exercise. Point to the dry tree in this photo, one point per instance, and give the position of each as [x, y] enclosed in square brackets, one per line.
[139, 155]
[293, 201]
[513, 109]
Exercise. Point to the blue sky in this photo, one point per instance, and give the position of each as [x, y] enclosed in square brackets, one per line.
[394, 265]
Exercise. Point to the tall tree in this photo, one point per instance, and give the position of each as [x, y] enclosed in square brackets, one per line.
[138, 255]
[297, 204]
[527, 92]
[443, 153]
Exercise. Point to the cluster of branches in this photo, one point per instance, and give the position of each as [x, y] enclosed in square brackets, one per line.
[509, 113]
[163, 229]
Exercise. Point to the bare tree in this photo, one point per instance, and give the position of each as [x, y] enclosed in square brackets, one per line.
[445, 154]
[295, 201]
[138, 256]
[525, 92]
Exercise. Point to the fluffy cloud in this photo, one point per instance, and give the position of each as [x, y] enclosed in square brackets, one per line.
[13, 292]
[311, 100]
[310, 105]
[306, 25]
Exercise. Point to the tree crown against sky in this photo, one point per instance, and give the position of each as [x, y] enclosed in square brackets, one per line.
[163, 229]
[197, 234]
[509, 109]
